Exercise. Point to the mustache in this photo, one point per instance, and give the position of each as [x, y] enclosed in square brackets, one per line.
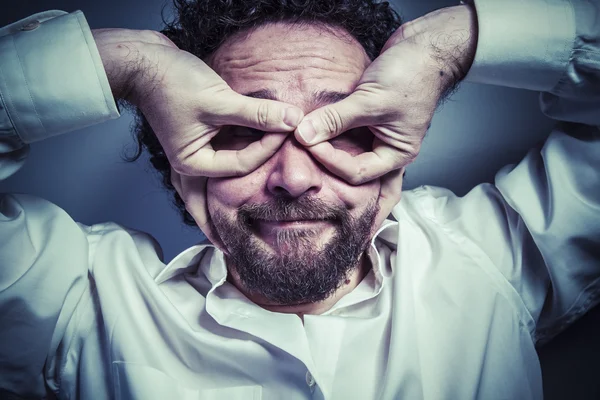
[286, 209]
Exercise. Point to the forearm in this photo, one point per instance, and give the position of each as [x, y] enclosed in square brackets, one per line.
[127, 59]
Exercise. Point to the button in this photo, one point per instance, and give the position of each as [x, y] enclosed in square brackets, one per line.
[31, 25]
[310, 381]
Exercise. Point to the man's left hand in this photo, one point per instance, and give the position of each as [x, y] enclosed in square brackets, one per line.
[396, 96]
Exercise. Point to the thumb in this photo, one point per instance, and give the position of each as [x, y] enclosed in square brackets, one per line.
[331, 120]
[265, 115]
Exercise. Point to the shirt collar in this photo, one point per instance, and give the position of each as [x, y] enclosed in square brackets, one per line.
[186, 261]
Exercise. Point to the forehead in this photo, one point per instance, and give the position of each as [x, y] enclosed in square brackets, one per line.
[301, 64]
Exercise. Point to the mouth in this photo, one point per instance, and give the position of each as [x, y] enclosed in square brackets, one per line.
[290, 223]
[276, 232]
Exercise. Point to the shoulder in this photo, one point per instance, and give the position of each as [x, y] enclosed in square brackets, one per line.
[36, 225]
[443, 206]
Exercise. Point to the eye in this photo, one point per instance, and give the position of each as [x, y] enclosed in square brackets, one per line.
[245, 132]
[354, 141]
[235, 137]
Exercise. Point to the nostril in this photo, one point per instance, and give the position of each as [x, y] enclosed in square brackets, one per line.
[280, 190]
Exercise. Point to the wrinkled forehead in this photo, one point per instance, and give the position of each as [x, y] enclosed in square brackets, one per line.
[306, 65]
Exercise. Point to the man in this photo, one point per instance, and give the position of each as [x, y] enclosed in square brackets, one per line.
[308, 289]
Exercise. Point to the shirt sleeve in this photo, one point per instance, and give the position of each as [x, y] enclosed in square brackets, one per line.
[51, 81]
[539, 224]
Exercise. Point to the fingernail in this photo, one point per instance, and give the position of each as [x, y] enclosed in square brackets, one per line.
[292, 117]
[307, 131]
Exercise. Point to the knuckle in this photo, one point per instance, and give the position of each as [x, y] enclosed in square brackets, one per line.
[162, 39]
[355, 180]
[241, 170]
[358, 177]
[404, 30]
[243, 167]
[262, 115]
[412, 152]
[332, 120]
[180, 167]
[151, 36]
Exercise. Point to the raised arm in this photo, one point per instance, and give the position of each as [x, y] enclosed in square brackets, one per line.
[51, 81]
[539, 224]
[553, 196]
[56, 75]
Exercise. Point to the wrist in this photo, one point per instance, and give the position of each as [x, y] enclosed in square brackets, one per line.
[124, 57]
[457, 48]
[452, 40]
[119, 60]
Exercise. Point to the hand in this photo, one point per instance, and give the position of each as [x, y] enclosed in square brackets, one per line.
[396, 96]
[186, 103]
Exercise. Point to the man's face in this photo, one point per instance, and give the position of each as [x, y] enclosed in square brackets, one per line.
[292, 230]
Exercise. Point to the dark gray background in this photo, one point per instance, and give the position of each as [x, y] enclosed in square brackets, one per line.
[479, 130]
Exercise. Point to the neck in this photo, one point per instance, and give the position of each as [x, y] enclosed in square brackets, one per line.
[355, 277]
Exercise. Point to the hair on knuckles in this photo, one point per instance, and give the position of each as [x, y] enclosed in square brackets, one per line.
[201, 26]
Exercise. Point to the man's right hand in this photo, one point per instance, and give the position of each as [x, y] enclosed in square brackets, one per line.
[187, 103]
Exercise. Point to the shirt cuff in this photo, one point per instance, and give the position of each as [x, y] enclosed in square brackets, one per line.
[52, 79]
[523, 44]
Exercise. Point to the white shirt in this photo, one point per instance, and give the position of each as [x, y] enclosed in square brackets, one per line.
[461, 290]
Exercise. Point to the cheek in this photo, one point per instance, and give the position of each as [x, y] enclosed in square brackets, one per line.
[227, 194]
[355, 197]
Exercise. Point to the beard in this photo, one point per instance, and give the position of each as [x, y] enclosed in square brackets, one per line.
[298, 269]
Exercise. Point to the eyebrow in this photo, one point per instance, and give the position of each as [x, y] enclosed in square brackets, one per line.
[321, 97]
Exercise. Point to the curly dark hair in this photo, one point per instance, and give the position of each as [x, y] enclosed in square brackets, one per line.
[201, 26]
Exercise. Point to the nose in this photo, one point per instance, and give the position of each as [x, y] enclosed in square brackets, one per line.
[294, 172]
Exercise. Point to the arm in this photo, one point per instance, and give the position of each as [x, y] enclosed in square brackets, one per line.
[556, 191]
[540, 223]
[51, 81]
[56, 75]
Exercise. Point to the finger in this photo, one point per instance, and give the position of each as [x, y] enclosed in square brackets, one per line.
[223, 163]
[391, 190]
[332, 120]
[353, 169]
[265, 115]
[176, 182]
[202, 216]
[195, 201]
[197, 205]
[390, 193]
[361, 168]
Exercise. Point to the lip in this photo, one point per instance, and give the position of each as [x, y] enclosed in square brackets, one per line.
[300, 223]
[269, 230]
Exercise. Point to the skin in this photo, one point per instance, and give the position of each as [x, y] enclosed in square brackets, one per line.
[293, 63]
[189, 107]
